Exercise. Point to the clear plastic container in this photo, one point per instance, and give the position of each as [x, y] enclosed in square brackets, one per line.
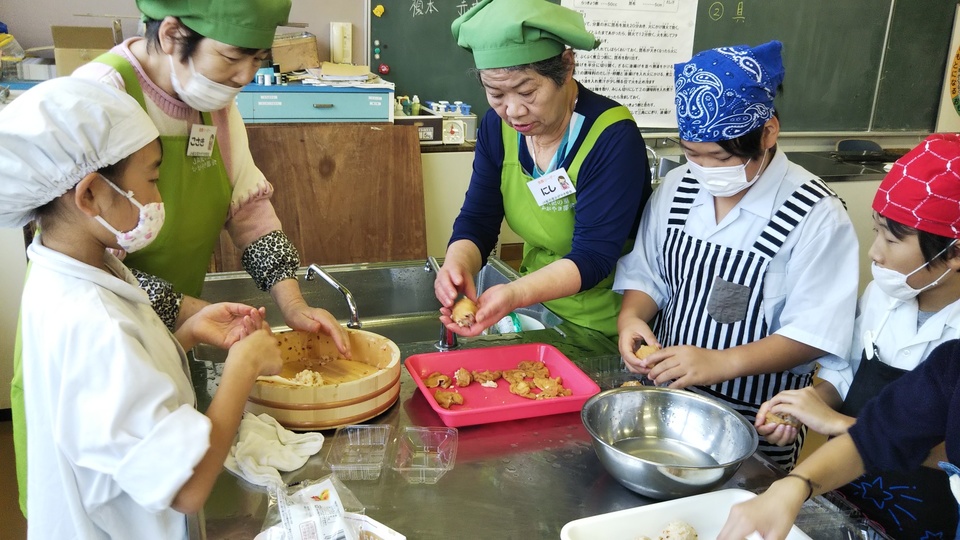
[358, 451]
[423, 454]
[11, 54]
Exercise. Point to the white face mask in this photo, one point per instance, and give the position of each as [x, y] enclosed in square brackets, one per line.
[150, 223]
[894, 284]
[201, 93]
[724, 181]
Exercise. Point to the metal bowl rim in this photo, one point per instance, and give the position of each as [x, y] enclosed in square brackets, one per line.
[596, 438]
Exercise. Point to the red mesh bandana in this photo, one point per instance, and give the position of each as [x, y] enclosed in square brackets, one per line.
[922, 190]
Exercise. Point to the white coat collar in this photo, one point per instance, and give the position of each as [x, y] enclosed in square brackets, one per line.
[903, 314]
[127, 288]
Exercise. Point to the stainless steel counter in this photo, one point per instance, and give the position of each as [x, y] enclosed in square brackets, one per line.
[523, 478]
[828, 168]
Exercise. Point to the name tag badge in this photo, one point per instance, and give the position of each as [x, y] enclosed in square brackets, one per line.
[551, 187]
[201, 140]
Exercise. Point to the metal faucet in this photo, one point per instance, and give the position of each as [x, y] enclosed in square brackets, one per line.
[351, 303]
[448, 339]
[656, 161]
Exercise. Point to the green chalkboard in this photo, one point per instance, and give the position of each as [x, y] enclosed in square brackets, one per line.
[415, 41]
[847, 69]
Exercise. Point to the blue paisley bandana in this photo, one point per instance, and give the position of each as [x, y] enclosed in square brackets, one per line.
[727, 92]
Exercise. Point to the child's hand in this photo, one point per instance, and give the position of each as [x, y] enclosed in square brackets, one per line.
[774, 433]
[222, 325]
[260, 351]
[808, 407]
[632, 335]
[686, 365]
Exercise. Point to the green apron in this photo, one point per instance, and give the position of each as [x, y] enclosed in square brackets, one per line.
[18, 418]
[196, 199]
[196, 194]
[547, 231]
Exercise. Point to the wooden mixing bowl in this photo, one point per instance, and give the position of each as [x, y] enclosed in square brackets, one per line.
[353, 391]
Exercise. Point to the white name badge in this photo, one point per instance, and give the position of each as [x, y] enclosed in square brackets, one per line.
[551, 186]
[201, 140]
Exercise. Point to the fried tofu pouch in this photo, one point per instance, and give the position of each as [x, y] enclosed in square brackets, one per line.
[464, 312]
[447, 398]
[774, 418]
[645, 351]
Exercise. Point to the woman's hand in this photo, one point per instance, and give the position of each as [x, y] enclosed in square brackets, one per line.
[494, 304]
[221, 325]
[299, 316]
[452, 280]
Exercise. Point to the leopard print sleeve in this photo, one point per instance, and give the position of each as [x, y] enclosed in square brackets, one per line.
[271, 259]
[165, 300]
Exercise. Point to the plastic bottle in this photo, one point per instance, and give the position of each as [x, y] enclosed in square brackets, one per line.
[508, 325]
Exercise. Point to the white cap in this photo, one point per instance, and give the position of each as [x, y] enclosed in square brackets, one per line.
[56, 133]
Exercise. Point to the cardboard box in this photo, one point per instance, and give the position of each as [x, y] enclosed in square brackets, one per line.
[74, 46]
[293, 52]
[429, 125]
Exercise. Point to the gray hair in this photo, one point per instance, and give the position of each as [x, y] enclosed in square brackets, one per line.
[554, 68]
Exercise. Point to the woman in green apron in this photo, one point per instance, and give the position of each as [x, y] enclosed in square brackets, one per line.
[186, 72]
[565, 166]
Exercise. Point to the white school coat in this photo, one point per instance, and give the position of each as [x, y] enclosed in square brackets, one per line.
[810, 286]
[899, 342]
[112, 432]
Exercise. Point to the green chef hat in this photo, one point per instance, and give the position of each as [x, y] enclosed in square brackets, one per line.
[241, 23]
[507, 33]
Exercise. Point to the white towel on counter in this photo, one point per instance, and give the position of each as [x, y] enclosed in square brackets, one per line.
[263, 448]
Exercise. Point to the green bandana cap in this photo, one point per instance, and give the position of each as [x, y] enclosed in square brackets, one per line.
[507, 33]
[249, 24]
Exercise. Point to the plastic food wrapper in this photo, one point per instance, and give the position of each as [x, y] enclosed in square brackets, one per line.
[368, 528]
[311, 510]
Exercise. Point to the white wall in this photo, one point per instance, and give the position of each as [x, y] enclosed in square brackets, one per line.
[30, 20]
[446, 176]
[12, 272]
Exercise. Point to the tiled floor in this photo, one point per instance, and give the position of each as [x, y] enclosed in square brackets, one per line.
[12, 524]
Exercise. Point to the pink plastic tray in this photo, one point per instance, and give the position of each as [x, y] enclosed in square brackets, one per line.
[482, 405]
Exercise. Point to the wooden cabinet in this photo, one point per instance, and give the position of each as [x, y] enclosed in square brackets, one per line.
[345, 193]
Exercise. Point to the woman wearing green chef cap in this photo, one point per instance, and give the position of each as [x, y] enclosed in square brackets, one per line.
[544, 126]
[186, 73]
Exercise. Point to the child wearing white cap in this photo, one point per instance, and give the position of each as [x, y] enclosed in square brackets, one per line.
[117, 449]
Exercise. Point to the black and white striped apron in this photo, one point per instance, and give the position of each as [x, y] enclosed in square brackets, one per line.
[716, 299]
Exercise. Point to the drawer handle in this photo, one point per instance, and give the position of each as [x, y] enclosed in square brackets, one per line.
[323, 105]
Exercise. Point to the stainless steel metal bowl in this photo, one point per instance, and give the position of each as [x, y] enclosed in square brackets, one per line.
[664, 443]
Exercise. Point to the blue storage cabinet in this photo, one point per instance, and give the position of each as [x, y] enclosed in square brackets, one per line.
[306, 103]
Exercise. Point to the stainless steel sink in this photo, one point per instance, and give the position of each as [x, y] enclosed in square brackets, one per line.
[395, 299]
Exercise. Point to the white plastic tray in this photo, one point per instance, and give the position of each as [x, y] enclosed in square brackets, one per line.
[706, 513]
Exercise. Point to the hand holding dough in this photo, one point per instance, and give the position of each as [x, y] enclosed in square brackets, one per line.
[464, 312]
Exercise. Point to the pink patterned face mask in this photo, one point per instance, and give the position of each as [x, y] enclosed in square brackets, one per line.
[151, 221]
